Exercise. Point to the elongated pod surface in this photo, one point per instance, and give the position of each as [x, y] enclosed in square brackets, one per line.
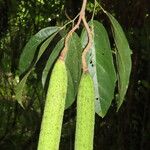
[54, 108]
[85, 114]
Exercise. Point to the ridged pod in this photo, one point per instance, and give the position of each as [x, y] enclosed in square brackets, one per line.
[85, 114]
[54, 108]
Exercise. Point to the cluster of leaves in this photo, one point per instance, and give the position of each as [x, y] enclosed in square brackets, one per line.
[100, 62]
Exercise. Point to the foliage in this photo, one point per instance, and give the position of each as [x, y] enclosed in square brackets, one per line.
[23, 19]
[101, 68]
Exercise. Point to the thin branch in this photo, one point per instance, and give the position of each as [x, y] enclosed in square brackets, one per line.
[89, 45]
[81, 14]
[102, 8]
[68, 17]
[89, 32]
[95, 2]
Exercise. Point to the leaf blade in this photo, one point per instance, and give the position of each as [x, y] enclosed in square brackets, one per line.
[73, 63]
[51, 60]
[123, 58]
[20, 88]
[73, 69]
[101, 67]
[21, 85]
[30, 48]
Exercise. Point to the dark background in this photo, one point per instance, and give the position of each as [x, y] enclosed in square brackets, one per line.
[129, 129]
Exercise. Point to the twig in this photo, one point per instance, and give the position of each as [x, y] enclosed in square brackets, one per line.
[87, 48]
[67, 15]
[95, 2]
[89, 32]
[81, 14]
[102, 8]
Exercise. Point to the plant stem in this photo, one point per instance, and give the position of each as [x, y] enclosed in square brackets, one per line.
[87, 48]
[81, 14]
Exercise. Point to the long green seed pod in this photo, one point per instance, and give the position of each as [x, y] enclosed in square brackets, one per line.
[85, 114]
[54, 108]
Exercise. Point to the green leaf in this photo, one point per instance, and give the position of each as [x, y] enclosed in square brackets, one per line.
[44, 46]
[70, 91]
[30, 48]
[123, 58]
[53, 56]
[101, 67]
[21, 85]
[20, 88]
[73, 63]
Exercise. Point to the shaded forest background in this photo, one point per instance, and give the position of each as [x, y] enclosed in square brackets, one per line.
[129, 129]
